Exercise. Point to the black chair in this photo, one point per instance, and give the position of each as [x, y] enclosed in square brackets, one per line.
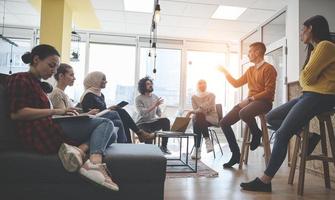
[212, 133]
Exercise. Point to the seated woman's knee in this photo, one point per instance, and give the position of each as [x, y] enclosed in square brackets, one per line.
[106, 121]
[199, 116]
[165, 121]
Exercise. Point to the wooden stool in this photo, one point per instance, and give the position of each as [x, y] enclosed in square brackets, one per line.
[324, 122]
[246, 143]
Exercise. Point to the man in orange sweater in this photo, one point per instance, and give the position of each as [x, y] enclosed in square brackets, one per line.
[261, 80]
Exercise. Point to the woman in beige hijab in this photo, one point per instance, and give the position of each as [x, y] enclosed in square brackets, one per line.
[204, 115]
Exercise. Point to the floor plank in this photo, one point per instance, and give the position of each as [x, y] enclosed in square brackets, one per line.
[226, 186]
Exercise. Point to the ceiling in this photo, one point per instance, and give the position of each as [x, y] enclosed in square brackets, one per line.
[180, 18]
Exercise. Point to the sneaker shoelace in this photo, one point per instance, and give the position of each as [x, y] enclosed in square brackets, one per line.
[106, 172]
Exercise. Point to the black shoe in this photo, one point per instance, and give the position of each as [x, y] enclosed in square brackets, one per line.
[235, 159]
[257, 185]
[313, 141]
[255, 141]
[165, 150]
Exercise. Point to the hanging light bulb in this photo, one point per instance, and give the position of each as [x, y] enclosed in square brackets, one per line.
[153, 49]
[157, 14]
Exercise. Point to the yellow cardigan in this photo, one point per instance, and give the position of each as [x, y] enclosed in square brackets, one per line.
[319, 73]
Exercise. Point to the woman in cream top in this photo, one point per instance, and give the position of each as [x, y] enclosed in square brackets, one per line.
[204, 115]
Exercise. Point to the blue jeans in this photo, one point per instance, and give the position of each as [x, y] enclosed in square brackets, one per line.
[115, 118]
[289, 119]
[96, 132]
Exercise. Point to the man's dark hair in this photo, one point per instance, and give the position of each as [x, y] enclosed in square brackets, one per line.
[142, 87]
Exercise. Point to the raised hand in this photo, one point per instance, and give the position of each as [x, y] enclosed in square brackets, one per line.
[159, 101]
[223, 70]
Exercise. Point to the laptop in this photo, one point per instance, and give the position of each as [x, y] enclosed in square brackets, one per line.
[179, 126]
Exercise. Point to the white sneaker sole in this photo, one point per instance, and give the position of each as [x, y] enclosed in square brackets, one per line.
[70, 160]
[199, 156]
[209, 150]
[90, 177]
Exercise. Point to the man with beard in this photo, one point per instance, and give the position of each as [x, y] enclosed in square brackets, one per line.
[148, 111]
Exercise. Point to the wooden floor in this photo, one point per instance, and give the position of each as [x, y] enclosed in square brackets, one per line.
[226, 186]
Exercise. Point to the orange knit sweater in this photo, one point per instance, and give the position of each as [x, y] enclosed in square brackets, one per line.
[261, 81]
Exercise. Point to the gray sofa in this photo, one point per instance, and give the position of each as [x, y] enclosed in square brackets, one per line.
[139, 169]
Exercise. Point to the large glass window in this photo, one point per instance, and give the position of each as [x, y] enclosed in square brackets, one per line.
[167, 78]
[232, 94]
[77, 89]
[118, 63]
[275, 29]
[10, 56]
[276, 59]
[254, 37]
[204, 65]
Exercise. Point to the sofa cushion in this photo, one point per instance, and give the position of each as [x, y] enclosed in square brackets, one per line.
[127, 162]
[136, 162]
[8, 139]
[32, 168]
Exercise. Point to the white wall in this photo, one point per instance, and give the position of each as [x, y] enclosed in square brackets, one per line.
[292, 34]
[297, 12]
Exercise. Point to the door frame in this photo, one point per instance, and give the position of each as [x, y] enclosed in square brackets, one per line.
[282, 43]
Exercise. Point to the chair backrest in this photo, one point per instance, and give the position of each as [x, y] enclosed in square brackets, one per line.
[219, 111]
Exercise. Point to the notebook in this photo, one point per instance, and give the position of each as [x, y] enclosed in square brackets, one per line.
[71, 117]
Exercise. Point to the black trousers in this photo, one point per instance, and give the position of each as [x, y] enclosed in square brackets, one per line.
[160, 124]
[247, 114]
[128, 123]
[200, 127]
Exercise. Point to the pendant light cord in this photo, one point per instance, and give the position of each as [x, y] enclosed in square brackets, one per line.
[3, 17]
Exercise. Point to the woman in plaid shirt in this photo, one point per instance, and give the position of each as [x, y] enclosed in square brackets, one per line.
[31, 111]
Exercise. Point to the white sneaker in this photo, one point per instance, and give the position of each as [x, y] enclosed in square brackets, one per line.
[71, 157]
[209, 145]
[99, 174]
[193, 156]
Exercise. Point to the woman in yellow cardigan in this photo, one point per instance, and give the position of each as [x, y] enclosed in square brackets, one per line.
[317, 80]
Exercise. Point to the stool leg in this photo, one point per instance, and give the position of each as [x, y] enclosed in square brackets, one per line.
[331, 137]
[303, 160]
[289, 159]
[330, 131]
[294, 160]
[266, 142]
[324, 152]
[247, 149]
[244, 145]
